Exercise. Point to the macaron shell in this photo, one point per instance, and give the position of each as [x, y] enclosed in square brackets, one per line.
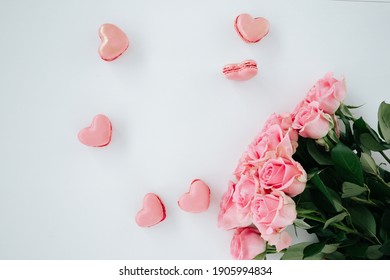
[152, 212]
[197, 199]
[250, 29]
[241, 71]
[114, 42]
[98, 134]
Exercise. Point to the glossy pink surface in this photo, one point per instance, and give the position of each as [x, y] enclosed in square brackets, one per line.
[98, 134]
[250, 29]
[197, 199]
[114, 42]
[152, 212]
[240, 71]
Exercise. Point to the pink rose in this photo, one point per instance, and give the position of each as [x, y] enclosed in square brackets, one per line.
[244, 192]
[328, 92]
[276, 139]
[285, 122]
[286, 147]
[230, 216]
[244, 166]
[271, 213]
[265, 142]
[280, 240]
[311, 121]
[284, 175]
[246, 244]
[270, 142]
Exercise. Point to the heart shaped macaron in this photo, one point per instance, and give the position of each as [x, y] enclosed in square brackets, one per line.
[250, 29]
[240, 71]
[197, 199]
[114, 42]
[98, 134]
[152, 212]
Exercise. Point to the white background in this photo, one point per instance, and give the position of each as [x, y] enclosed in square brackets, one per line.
[175, 117]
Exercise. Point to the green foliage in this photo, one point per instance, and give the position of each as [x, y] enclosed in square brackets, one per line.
[363, 219]
[301, 224]
[368, 164]
[347, 164]
[346, 202]
[373, 252]
[384, 121]
[335, 219]
[351, 190]
[385, 248]
[318, 154]
[313, 249]
[295, 252]
[326, 192]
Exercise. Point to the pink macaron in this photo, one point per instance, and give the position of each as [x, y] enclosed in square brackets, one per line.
[98, 134]
[240, 71]
[114, 42]
[197, 199]
[152, 212]
[250, 29]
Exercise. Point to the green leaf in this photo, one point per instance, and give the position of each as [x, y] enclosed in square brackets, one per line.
[368, 164]
[319, 256]
[373, 252]
[341, 236]
[337, 204]
[335, 256]
[335, 219]
[295, 252]
[319, 184]
[321, 158]
[385, 249]
[311, 173]
[385, 221]
[261, 256]
[304, 211]
[360, 127]
[344, 111]
[378, 188]
[368, 141]
[357, 250]
[384, 174]
[322, 234]
[347, 164]
[313, 249]
[354, 107]
[333, 136]
[363, 219]
[302, 224]
[384, 231]
[348, 136]
[384, 234]
[351, 189]
[384, 121]
[330, 248]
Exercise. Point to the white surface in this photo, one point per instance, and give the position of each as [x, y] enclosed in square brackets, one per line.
[175, 117]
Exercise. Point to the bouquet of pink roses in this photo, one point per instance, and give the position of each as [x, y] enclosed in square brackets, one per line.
[304, 170]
